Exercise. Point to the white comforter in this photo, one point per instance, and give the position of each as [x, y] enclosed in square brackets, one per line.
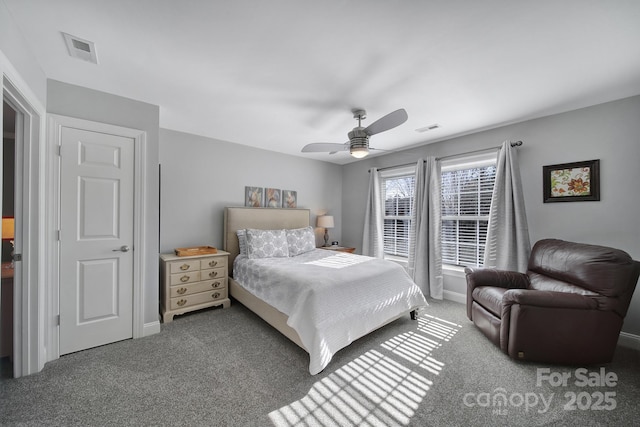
[331, 298]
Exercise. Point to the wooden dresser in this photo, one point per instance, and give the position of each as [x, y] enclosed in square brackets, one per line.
[192, 282]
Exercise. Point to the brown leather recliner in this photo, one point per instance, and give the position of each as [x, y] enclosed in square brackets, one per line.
[567, 309]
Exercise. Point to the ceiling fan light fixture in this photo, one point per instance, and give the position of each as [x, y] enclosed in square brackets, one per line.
[359, 152]
[358, 143]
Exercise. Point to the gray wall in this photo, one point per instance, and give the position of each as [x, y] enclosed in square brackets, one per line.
[200, 176]
[15, 47]
[82, 103]
[609, 132]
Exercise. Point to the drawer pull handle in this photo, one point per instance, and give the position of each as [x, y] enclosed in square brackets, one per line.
[216, 295]
[215, 285]
[184, 279]
[184, 267]
[213, 263]
[213, 274]
[182, 302]
[181, 291]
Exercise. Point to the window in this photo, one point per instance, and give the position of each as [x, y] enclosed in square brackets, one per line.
[467, 187]
[398, 187]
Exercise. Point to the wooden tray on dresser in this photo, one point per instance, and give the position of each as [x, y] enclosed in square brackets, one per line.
[196, 250]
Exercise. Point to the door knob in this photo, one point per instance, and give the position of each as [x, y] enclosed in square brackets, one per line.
[123, 248]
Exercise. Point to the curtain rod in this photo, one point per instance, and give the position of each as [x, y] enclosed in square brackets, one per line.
[513, 144]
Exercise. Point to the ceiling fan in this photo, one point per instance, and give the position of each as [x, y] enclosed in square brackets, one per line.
[358, 144]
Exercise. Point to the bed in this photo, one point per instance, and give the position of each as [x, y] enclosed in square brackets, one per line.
[309, 314]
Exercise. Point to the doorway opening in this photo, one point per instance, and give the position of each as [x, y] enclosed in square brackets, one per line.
[8, 240]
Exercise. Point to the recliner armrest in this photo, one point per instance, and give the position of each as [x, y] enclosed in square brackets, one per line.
[499, 278]
[549, 299]
[492, 277]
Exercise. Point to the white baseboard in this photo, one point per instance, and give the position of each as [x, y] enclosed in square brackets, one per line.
[151, 328]
[629, 340]
[454, 296]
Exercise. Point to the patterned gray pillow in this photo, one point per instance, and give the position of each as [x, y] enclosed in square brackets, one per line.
[266, 243]
[301, 240]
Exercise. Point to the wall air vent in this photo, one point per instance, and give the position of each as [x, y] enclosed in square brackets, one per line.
[430, 127]
[80, 48]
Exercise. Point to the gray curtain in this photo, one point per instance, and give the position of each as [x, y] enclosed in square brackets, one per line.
[425, 254]
[508, 246]
[373, 235]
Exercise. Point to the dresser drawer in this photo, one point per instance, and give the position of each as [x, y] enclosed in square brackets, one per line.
[217, 283]
[213, 273]
[182, 278]
[194, 288]
[194, 299]
[186, 265]
[213, 262]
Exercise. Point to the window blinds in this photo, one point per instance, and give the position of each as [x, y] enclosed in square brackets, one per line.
[467, 187]
[398, 189]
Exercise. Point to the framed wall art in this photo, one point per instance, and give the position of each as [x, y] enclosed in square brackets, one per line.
[289, 199]
[253, 196]
[272, 198]
[571, 182]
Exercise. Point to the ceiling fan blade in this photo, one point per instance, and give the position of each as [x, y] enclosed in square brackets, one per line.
[324, 147]
[387, 122]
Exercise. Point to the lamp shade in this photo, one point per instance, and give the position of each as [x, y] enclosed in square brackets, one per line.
[325, 221]
[8, 228]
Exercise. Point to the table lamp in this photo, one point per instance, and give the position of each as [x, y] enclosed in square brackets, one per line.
[326, 222]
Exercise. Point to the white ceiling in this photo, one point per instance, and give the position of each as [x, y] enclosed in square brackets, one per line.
[278, 74]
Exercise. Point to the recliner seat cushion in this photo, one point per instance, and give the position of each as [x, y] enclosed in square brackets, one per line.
[539, 282]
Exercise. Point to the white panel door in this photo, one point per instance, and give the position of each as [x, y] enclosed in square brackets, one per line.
[96, 237]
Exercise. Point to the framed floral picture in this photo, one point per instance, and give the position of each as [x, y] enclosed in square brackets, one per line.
[571, 182]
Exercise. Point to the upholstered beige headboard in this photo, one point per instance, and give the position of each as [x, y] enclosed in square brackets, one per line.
[237, 218]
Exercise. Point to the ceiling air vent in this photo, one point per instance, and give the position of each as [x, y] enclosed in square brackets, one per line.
[80, 48]
[430, 127]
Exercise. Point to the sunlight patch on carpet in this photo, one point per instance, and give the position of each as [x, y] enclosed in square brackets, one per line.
[436, 327]
[372, 390]
[375, 389]
[416, 349]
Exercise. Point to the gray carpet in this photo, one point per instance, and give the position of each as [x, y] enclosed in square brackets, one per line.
[228, 368]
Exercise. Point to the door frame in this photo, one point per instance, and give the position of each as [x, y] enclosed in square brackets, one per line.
[52, 226]
[29, 317]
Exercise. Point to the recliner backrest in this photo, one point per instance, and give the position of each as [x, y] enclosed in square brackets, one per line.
[599, 269]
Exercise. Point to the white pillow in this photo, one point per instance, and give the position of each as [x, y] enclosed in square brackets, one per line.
[300, 240]
[242, 241]
[266, 243]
